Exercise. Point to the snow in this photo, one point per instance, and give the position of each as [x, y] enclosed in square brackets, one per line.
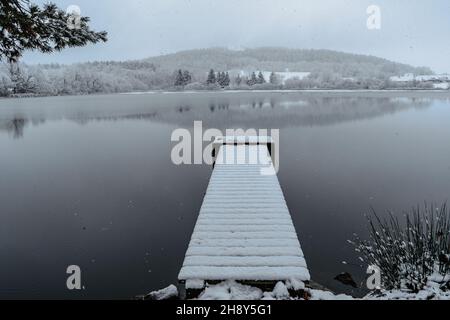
[228, 222]
[231, 243]
[443, 85]
[438, 278]
[443, 79]
[170, 292]
[280, 292]
[218, 261]
[251, 273]
[231, 290]
[327, 295]
[244, 230]
[195, 284]
[245, 251]
[429, 293]
[244, 235]
[248, 228]
[437, 77]
[405, 78]
[434, 290]
[295, 285]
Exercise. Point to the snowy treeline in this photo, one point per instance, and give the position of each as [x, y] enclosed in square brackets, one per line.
[209, 69]
[87, 78]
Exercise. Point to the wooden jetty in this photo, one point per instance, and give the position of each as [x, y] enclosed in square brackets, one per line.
[244, 231]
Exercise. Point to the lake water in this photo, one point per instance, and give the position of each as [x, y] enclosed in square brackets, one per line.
[88, 180]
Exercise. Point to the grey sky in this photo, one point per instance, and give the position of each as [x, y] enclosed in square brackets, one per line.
[414, 31]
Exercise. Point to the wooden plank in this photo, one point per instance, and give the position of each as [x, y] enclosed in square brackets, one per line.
[244, 231]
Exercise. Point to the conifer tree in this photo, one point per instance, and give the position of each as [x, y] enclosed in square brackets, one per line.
[187, 78]
[27, 26]
[226, 80]
[253, 80]
[261, 79]
[179, 79]
[211, 78]
[273, 78]
[220, 78]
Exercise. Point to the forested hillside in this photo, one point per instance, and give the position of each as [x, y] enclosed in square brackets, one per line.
[213, 68]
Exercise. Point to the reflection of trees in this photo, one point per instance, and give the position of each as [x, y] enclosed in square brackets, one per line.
[218, 107]
[15, 126]
[279, 113]
[87, 119]
[230, 111]
[182, 109]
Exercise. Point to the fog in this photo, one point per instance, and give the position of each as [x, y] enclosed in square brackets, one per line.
[411, 32]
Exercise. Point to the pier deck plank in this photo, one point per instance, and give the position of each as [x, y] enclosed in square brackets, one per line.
[244, 231]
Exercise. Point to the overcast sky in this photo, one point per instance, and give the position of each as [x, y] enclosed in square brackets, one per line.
[412, 31]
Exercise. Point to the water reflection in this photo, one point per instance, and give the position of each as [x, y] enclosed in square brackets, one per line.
[223, 112]
[92, 182]
[15, 127]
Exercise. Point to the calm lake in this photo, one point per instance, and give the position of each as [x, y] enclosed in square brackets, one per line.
[89, 181]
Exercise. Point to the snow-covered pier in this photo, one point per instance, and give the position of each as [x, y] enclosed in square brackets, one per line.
[244, 231]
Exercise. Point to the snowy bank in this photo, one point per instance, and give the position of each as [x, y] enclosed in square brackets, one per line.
[169, 293]
[436, 289]
[231, 290]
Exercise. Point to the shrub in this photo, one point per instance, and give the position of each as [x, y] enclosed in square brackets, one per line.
[409, 254]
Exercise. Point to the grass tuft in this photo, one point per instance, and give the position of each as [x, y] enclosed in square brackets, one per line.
[408, 253]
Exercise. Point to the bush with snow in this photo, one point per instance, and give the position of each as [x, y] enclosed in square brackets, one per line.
[410, 255]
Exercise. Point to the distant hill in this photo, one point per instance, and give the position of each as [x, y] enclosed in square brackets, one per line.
[279, 59]
[326, 70]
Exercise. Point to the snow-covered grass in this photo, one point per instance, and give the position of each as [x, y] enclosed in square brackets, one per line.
[436, 288]
[408, 255]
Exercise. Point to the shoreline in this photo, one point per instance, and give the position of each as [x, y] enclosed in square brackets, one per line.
[275, 91]
[286, 91]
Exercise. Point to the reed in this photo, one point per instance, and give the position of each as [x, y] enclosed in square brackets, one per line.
[408, 253]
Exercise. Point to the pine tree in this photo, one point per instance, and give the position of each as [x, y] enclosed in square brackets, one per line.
[179, 79]
[211, 78]
[226, 80]
[273, 78]
[253, 80]
[261, 79]
[187, 78]
[220, 78]
[26, 26]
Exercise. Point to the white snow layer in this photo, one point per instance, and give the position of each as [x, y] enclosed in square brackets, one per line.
[244, 230]
[164, 294]
[231, 290]
[327, 295]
